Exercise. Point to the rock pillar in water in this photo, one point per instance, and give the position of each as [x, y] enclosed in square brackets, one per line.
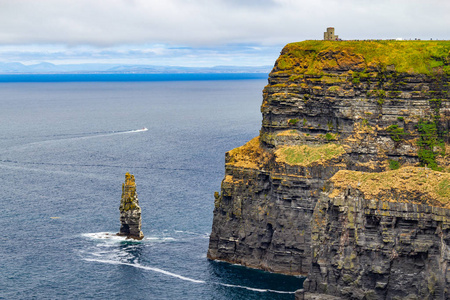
[130, 212]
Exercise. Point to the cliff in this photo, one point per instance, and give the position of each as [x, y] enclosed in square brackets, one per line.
[382, 236]
[332, 109]
[130, 212]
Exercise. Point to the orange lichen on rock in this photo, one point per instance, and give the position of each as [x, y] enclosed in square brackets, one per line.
[408, 184]
[231, 180]
[128, 192]
[250, 155]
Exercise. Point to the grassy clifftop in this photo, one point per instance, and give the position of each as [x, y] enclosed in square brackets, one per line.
[318, 57]
[408, 184]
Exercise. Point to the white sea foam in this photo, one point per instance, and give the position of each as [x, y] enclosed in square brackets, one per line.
[104, 236]
[113, 237]
[159, 239]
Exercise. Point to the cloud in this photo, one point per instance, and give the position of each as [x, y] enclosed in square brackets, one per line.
[215, 22]
[202, 32]
[150, 54]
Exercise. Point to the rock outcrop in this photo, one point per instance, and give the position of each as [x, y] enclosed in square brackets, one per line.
[382, 236]
[130, 212]
[341, 112]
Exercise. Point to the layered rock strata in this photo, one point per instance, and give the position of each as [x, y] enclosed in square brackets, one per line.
[130, 212]
[382, 236]
[262, 216]
[369, 107]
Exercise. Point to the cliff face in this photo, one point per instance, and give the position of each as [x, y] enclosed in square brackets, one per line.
[369, 107]
[382, 239]
[262, 216]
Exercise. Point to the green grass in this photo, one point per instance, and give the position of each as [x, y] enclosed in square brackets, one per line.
[393, 164]
[293, 121]
[444, 188]
[334, 88]
[429, 140]
[305, 155]
[411, 184]
[423, 57]
[330, 137]
[396, 133]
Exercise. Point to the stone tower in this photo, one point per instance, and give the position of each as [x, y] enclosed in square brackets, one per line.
[329, 35]
[130, 212]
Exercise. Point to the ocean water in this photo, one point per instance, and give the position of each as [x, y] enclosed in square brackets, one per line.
[64, 150]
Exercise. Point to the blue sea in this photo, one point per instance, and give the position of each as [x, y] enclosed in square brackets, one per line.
[64, 150]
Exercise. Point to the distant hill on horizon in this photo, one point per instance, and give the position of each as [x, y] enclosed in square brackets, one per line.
[92, 68]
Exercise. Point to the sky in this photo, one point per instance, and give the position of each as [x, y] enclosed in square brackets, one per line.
[200, 33]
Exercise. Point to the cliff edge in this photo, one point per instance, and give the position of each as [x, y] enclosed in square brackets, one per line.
[362, 118]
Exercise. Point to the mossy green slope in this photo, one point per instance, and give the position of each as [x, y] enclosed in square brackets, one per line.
[421, 57]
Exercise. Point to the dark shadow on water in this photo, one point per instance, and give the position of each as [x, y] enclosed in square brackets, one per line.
[245, 277]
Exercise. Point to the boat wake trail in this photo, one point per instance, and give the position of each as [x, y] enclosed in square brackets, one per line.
[96, 135]
[158, 270]
[75, 137]
[139, 266]
[139, 130]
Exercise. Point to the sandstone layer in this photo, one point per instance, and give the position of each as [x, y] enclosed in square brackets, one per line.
[330, 109]
[130, 212]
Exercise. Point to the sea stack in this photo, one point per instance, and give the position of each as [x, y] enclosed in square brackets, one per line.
[130, 212]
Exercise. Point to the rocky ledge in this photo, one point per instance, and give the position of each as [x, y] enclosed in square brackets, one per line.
[348, 180]
[130, 212]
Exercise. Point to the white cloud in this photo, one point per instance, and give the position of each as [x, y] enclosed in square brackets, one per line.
[60, 30]
[214, 22]
[149, 54]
